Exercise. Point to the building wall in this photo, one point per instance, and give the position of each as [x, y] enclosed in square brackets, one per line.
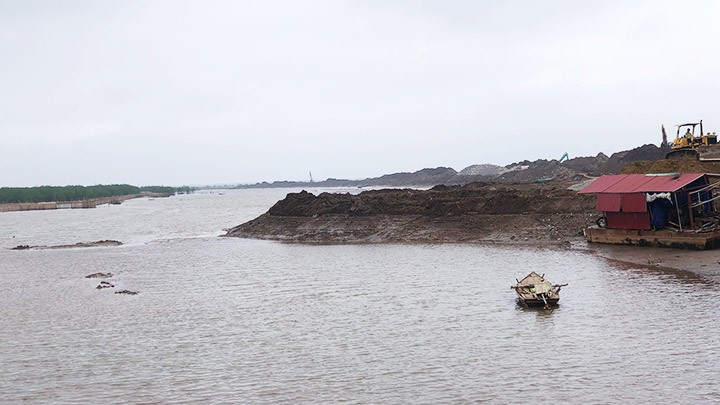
[628, 220]
[625, 210]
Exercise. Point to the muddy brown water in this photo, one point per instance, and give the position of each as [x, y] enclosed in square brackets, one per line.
[226, 320]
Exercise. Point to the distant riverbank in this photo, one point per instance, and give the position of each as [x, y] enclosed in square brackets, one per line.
[89, 203]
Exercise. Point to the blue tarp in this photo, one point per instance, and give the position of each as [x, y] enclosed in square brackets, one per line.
[659, 211]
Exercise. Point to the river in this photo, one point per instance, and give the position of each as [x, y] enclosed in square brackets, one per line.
[227, 320]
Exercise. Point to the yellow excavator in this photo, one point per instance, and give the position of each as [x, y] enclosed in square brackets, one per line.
[687, 144]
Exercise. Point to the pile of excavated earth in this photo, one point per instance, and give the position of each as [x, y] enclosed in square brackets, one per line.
[525, 171]
[478, 212]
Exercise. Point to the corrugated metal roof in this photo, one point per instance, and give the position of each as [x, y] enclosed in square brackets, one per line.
[669, 183]
[602, 183]
[640, 183]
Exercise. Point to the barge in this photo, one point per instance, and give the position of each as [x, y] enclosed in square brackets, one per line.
[675, 210]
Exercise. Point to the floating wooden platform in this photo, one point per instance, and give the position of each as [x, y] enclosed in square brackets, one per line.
[662, 238]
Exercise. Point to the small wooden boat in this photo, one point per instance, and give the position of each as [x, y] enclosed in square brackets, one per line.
[534, 291]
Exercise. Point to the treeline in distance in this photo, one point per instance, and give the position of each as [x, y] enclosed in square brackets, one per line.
[76, 193]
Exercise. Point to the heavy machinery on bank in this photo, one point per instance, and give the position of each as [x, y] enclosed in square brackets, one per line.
[698, 145]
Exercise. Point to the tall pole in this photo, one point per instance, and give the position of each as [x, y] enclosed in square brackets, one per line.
[690, 210]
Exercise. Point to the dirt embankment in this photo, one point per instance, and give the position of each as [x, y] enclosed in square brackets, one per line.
[478, 212]
[684, 165]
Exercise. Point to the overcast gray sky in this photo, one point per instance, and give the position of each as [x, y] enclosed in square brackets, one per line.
[197, 92]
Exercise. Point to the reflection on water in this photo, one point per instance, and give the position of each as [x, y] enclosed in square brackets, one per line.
[660, 271]
[231, 320]
[540, 311]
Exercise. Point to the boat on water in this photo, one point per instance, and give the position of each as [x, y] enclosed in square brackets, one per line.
[534, 291]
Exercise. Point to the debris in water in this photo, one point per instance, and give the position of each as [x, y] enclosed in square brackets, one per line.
[104, 284]
[100, 275]
[128, 292]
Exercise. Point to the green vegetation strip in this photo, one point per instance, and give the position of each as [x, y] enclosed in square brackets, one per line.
[76, 193]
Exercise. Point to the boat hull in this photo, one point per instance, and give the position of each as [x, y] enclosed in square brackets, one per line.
[534, 303]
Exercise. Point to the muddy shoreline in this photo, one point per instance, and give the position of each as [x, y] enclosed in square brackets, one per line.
[543, 216]
[704, 263]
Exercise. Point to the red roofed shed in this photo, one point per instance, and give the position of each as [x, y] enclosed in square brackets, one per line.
[622, 197]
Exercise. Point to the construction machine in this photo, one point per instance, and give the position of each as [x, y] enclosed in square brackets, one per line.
[688, 144]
